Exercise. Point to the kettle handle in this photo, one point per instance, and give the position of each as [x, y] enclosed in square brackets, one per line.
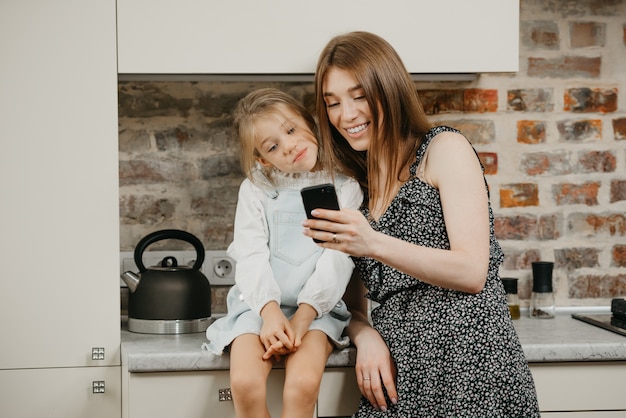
[169, 234]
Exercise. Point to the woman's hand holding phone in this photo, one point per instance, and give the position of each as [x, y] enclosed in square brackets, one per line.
[345, 230]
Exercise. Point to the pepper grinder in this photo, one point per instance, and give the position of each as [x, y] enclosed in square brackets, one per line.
[542, 298]
[510, 287]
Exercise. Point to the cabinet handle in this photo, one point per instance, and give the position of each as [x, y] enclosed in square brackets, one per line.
[97, 353]
[225, 395]
[97, 386]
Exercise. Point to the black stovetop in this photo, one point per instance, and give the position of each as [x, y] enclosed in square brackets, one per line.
[606, 321]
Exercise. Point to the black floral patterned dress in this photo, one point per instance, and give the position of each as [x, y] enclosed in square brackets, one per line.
[457, 354]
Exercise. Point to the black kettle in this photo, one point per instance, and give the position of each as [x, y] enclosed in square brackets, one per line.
[168, 299]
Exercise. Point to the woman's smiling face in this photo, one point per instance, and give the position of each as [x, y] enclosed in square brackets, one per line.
[347, 108]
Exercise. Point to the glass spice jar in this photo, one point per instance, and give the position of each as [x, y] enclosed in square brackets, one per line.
[512, 300]
[542, 298]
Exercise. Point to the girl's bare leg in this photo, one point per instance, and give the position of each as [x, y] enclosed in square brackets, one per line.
[303, 375]
[248, 377]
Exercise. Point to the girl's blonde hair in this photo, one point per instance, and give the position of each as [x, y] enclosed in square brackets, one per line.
[390, 94]
[258, 103]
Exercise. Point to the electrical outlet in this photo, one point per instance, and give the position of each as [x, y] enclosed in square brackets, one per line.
[218, 267]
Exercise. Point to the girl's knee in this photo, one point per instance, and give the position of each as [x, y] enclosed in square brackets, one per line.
[304, 385]
[244, 384]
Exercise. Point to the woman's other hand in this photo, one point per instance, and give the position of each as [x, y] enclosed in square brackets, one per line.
[375, 370]
[374, 367]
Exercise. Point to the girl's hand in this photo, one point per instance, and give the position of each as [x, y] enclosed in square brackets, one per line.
[277, 334]
[300, 322]
[345, 230]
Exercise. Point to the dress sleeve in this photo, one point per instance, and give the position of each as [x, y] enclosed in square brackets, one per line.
[250, 250]
[333, 269]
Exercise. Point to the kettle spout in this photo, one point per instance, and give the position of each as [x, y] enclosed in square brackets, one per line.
[131, 279]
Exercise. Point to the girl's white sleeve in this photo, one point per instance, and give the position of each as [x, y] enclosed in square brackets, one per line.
[250, 250]
[333, 269]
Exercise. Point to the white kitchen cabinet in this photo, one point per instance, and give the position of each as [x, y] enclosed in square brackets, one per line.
[59, 291]
[580, 389]
[197, 394]
[584, 414]
[339, 394]
[86, 392]
[188, 394]
[568, 389]
[286, 37]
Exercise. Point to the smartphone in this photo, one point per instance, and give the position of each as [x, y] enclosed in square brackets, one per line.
[322, 196]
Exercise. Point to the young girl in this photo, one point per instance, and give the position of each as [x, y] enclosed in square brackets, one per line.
[287, 297]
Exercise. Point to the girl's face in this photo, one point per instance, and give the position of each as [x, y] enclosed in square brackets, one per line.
[284, 140]
[347, 108]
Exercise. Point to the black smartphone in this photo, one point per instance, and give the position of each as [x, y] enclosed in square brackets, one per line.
[321, 196]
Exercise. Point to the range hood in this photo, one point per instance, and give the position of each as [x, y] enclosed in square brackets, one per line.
[262, 40]
[288, 78]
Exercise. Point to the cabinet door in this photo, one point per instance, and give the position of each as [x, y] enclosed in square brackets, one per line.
[59, 292]
[61, 393]
[584, 414]
[339, 393]
[580, 386]
[286, 36]
[190, 394]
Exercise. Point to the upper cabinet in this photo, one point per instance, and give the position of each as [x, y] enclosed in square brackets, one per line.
[286, 36]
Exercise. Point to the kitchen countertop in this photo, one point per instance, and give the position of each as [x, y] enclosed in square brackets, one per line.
[184, 352]
[562, 338]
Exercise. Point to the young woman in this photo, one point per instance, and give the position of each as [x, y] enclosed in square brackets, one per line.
[423, 244]
[287, 298]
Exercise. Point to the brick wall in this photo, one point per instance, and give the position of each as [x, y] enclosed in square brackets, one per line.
[552, 138]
